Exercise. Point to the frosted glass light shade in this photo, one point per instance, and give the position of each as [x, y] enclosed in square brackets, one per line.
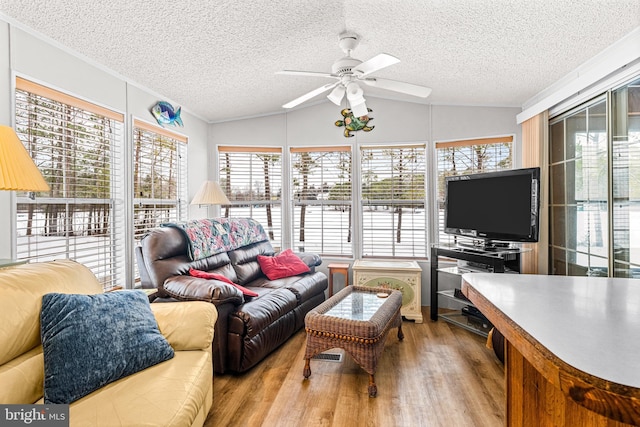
[210, 193]
[359, 109]
[336, 95]
[17, 170]
[354, 93]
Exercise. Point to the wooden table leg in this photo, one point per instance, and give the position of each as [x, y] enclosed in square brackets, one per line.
[307, 369]
[373, 388]
[330, 283]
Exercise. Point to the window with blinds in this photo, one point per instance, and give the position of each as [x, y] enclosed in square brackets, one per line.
[159, 177]
[394, 219]
[322, 201]
[75, 144]
[467, 157]
[251, 177]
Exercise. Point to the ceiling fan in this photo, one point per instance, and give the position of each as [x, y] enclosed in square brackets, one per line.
[349, 72]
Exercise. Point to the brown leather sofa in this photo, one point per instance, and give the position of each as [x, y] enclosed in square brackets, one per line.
[248, 328]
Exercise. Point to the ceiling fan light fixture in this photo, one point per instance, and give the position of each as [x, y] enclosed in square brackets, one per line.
[354, 93]
[359, 109]
[337, 94]
[350, 71]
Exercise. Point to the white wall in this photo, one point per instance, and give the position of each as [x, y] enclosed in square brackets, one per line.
[394, 121]
[460, 122]
[33, 57]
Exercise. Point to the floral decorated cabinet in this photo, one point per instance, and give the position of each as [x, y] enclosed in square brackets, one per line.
[401, 275]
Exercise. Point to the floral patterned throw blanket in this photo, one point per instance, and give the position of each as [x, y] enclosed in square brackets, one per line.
[208, 237]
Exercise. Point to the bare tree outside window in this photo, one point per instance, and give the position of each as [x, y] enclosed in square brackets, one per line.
[251, 178]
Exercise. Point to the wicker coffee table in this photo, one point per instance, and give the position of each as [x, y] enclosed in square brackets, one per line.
[356, 319]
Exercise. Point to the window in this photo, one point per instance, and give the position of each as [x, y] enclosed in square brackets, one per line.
[322, 202]
[393, 201]
[251, 177]
[467, 157]
[159, 177]
[75, 145]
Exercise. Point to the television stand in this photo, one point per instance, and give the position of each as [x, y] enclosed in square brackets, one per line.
[495, 260]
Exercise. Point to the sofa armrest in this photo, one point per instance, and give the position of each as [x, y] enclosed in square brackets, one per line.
[189, 288]
[186, 325]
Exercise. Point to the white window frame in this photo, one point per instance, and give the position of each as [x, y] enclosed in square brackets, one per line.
[329, 217]
[268, 198]
[66, 140]
[159, 172]
[377, 238]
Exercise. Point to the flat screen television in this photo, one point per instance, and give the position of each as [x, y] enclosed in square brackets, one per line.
[494, 208]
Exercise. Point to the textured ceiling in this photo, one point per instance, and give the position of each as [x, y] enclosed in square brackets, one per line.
[218, 58]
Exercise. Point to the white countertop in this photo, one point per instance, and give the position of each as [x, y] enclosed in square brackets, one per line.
[590, 323]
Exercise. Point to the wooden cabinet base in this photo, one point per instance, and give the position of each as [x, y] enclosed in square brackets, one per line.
[534, 401]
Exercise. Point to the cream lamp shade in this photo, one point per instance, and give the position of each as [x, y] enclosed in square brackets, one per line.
[17, 170]
[210, 193]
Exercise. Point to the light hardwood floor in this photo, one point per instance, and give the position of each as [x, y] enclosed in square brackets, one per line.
[439, 375]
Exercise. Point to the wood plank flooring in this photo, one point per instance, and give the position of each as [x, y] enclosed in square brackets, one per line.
[439, 375]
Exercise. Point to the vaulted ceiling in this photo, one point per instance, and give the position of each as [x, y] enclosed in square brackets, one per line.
[218, 59]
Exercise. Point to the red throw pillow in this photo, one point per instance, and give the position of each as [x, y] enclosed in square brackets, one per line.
[204, 275]
[285, 264]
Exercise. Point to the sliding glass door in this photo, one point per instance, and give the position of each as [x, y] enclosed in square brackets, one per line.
[625, 130]
[594, 168]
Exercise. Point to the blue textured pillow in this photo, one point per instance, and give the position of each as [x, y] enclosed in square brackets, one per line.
[91, 340]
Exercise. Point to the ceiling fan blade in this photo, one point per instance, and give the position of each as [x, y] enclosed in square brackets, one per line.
[307, 73]
[376, 63]
[396, 86]
[310, 95]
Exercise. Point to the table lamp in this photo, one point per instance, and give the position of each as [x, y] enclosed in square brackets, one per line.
[210, 193]
[17, 170]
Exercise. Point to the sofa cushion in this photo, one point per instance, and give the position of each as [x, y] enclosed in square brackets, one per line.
[308, 286]
[245, 261]
[176, 393]
[285, 264]
[252, 317]
[92, 340]
[213, 276]
[22, 378]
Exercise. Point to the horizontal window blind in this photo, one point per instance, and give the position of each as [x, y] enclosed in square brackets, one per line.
[159, 178]
[75, 145]
[393, 201]
[322, 200]
[467, 157]
[251, 177]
